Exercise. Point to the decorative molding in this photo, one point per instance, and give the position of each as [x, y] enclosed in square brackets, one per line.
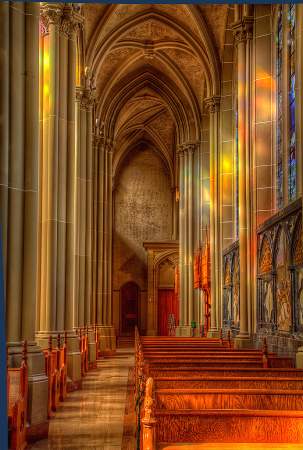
[243, 29]
[213, 103]
[266, 265]
[149, 54]
[298, 258]
[86, 97]
[96, 140]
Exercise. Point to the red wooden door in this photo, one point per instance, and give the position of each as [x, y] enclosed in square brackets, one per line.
[167, 304]
[129, 308]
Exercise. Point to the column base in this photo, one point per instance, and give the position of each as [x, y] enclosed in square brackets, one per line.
[243, 340]
[73, 353]
[37, 380]
[91, 347]
[187, 331]
[151, 333]
[37, 432]
[213, 333]
[107, 340]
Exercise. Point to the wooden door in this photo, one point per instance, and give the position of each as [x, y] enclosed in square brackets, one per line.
[167, 304]
[129, 308]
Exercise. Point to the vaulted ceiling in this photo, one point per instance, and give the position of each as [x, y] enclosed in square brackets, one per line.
[152, 66]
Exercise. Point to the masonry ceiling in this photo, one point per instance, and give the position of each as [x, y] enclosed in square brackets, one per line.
[154, 65]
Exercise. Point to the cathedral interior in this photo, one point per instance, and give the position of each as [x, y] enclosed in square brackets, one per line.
[151, 190]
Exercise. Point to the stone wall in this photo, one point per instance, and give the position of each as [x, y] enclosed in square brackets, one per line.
[142, 212]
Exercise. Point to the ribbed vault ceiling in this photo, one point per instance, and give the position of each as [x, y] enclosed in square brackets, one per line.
[154, 65]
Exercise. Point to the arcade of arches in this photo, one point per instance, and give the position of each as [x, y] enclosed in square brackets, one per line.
[134, 139]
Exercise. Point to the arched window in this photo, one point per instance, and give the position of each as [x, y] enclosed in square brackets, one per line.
[286, 133]
[236, 160]
[292, 131]
[279, 112]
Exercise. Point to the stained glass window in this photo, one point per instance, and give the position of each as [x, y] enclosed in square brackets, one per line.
[237, 144]
[279, 112]
[237, 172]
[292, 134]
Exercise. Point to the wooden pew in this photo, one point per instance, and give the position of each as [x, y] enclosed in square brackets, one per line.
[85, 329]
[230, 390]
[53, 374]
[63, 368]
[82, 350]
[235, 382]
[17, 402]
[95, 329]
[224, 372]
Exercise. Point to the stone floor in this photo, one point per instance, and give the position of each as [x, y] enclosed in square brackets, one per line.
[94, 417]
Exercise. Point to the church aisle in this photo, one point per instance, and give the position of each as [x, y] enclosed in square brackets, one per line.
[94, 417]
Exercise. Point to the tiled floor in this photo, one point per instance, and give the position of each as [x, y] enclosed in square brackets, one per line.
[94, 417]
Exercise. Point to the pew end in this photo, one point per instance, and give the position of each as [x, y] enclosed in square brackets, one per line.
[17, 403]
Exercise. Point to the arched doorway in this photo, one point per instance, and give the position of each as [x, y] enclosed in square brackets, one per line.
[130, 297]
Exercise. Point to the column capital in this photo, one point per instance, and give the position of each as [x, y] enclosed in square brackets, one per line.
[86, 97]
[243, 29]
[92, 98]
[180, 150]
[191, 146]
[70, 22]
[96, 140]
[110, 146]
[212, 103]
[50, 14]
[249, 26]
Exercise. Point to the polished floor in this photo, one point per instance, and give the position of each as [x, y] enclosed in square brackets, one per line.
[101, 416]
[94, 417]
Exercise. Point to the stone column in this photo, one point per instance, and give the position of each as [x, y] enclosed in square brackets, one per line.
[151, 316]
[95, 160]
[112, 337]
[4, 127]
[213, 105]
[248, 23]
[59, 25]
[174, 235]
[100, 210]
[19, 135]
[191, 250]
[188, 191]
[102, 288]
[181, 231]
[240, 32]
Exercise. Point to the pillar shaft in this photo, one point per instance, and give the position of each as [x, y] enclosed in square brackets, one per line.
[109, 235]
[31, 171]
[241, 33]
[100, 230]
[105, 240]
[62, 180]
[181, 248]
[51, 154]
[4, 127]
[14, 288]
[70, 181]
[190, 256]
[88, 240]
[212, 104]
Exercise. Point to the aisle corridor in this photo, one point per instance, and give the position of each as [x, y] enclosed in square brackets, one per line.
[93, 417]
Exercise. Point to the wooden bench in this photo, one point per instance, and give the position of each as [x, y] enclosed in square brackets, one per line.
[17, 390]
[198, 393]
[82, 350]
[95, 329]
[63, 367]
[52, 364]
[236, 382]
